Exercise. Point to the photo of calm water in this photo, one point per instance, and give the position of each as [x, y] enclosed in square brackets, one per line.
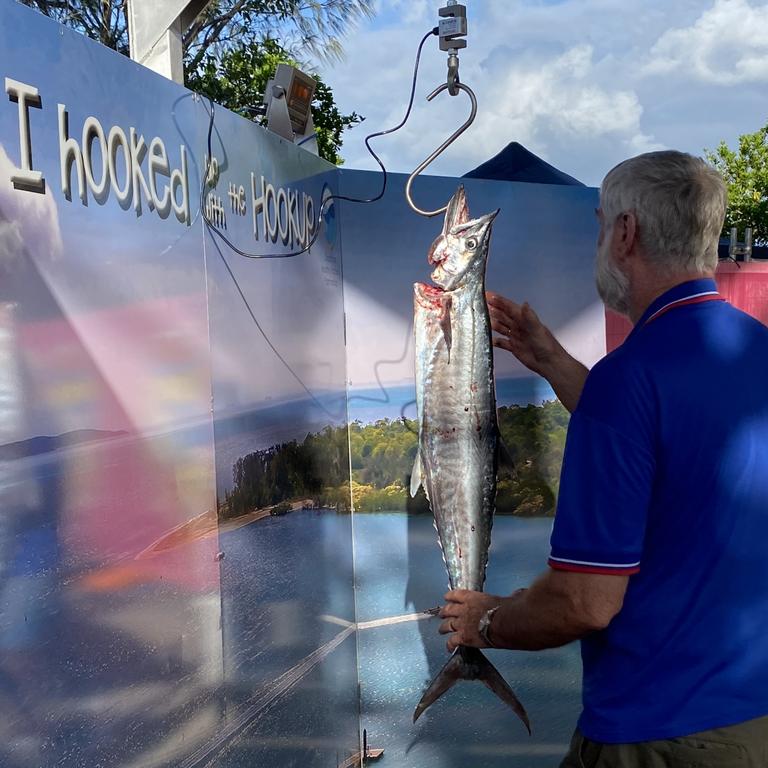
[272, 589]
[286, 592]
[399, 569]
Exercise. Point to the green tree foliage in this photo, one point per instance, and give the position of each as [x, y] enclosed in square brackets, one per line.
[746, 173]
[102, 20]
[382, 455]
[535, 436]
[316, 468]
[237, 41]
[305, 28]
[238, 78]
[383, 452]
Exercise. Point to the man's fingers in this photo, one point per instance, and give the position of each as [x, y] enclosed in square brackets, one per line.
[503, 342]
[514, 312]
[457, 595]
[447, 627]
[499, 316]
[452, 624]
[501, 302]
[503, 323]
[528, 317]
[452, 609]
[491, 297]
[506, 314]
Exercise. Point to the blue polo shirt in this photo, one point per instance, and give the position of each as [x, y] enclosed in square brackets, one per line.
[665, 478]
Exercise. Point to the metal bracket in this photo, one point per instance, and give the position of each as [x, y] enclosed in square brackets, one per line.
[452, 28]
[155, 31]
[737, 248]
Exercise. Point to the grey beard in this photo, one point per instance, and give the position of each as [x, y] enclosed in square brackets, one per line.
[612, 286]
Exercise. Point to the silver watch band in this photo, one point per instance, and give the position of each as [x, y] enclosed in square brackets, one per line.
[484, 626]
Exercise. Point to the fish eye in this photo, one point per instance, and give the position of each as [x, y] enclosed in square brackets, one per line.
[471, 243]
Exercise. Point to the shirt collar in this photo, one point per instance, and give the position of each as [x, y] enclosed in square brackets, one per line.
[681, 292]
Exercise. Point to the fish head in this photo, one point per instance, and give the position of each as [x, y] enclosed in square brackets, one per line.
[460, 251]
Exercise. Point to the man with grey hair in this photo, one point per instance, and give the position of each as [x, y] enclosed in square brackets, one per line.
[657, 560]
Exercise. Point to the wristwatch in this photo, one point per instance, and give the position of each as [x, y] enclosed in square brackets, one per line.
[484, 626]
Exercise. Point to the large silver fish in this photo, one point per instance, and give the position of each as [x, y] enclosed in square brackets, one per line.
[459, 441]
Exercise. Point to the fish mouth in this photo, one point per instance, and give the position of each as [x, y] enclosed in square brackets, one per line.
[441, 276]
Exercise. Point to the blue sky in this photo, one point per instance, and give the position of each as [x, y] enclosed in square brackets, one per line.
[583, 83]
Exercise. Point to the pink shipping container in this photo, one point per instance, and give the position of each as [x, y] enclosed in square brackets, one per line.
[745, 285]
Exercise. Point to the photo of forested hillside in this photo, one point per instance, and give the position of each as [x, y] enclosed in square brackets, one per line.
[381, 454]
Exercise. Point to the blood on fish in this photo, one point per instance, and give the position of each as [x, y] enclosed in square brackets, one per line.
[431, 290]
[430, 297]
[453, 354]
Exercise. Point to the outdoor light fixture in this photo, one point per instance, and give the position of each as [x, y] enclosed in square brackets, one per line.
[288, 98]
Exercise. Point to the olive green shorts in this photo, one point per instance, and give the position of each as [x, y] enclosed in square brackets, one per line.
[737, 746]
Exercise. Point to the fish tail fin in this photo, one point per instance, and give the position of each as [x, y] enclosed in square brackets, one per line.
[470, 664]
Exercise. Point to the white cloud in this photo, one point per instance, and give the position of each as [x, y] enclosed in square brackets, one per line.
[539, 100]
[575, 81]
[559, 97]
[29, 222]
[725, 45]
[413, 11]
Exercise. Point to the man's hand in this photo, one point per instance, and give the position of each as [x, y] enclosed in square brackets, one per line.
[523, 334]
[532, 343]
[462, 614]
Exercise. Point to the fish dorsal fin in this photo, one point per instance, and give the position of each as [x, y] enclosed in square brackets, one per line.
[457, 212]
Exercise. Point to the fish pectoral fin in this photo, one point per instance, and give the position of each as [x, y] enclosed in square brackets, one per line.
[505, 463]
[417, 478]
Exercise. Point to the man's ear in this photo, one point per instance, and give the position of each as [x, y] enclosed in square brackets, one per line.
[626, 236]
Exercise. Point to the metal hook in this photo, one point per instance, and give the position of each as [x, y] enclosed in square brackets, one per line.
[455, 135]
